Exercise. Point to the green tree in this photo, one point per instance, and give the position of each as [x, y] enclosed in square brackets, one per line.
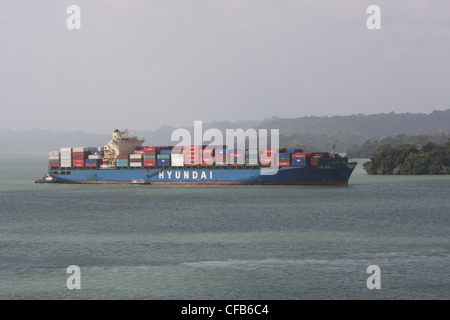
[406, 159]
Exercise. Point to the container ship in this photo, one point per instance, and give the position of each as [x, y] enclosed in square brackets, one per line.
[125, 160]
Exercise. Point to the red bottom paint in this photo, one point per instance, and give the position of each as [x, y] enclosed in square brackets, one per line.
[219, 183]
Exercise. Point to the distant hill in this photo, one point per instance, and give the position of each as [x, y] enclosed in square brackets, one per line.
[310, 133]
[366, 126]
[370, 146]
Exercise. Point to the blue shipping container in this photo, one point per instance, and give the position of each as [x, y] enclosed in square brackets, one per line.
[163, 162]
[298, 164]
[284, 155]
[165, 151]
[91, 160]
[300, 160]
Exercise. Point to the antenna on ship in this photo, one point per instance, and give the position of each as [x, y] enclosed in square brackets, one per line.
[332, 149]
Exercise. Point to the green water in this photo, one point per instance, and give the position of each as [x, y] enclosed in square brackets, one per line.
[233, 242]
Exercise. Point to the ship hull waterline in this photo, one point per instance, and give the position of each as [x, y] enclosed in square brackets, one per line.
[333, 174]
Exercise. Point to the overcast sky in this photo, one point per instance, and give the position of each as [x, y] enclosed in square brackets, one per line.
[140, 64]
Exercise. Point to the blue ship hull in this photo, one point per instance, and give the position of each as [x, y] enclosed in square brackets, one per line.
[330, 174]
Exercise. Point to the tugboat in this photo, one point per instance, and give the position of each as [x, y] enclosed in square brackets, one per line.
[140, 181]
[46, 179]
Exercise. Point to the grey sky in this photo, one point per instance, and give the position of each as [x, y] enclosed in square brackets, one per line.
[142, 64]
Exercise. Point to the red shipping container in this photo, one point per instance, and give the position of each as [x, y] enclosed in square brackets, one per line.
[208, 160]
[149, 153]
[192, 163]
[208, 152]
[266, 164]
[151, 149]
[149, 162]
[193, 148]
[324, 155]
[91, 165]
[284, 164]
[269, 152]
[138, 151]
[236, 155]
[266, 160]
[53, 165]
[122, 156]
[298, 155]
[135, 160]
[190, 158]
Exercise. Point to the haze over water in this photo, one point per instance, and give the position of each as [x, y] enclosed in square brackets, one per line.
[234, 242]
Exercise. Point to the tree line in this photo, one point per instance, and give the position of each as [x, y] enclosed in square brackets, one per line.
[406, 159]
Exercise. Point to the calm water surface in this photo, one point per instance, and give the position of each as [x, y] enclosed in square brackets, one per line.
[233, 242]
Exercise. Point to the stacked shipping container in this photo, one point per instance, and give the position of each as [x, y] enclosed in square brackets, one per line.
[53, 159]
[166, 156]
[66, 157]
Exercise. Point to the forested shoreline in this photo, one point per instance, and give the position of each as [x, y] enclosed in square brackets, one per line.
[406, 159]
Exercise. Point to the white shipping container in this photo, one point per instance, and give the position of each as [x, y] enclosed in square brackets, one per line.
[177, 156]
[65, 164]
[53, 153]
[66, 157]
[135, 156]
[177, 163]
[79, 149]
[53, 157]
[94, 156]
[135, 164]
